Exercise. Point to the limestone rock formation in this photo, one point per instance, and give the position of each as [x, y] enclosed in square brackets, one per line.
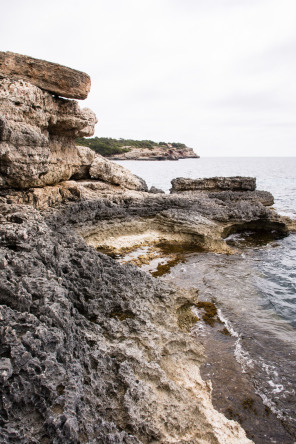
[91, 351]
[107, 171]
[57, 79]
[156, 153]
[236, 183]
[37, 135]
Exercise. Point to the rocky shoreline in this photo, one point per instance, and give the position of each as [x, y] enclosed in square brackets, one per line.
[93, 351]
[156, 153]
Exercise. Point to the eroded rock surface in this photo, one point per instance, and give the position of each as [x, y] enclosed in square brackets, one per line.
[58, 79]
[236, 183]
[92, 351]
[37, 141]
[37, 135]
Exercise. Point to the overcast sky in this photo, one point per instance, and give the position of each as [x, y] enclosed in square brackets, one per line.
[218, 75]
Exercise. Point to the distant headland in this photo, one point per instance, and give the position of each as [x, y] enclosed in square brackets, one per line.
[128, 149]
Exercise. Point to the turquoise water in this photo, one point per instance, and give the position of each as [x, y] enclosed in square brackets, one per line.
[255, 290]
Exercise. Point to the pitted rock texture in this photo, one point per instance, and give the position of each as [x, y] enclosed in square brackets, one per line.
[37, 135]
[57, 79]
[91, 352]
[115, 219]
[236, 183]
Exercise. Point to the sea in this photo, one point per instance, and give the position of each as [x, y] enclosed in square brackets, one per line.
[252, 368]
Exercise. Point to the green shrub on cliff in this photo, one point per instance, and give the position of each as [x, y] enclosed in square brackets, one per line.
[106, 146]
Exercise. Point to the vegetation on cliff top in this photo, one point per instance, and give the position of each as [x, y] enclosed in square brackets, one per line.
[106, 146]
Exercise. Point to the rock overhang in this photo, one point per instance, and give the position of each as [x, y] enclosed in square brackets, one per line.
[52, 77]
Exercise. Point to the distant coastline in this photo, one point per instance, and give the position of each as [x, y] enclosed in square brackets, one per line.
[128, 149]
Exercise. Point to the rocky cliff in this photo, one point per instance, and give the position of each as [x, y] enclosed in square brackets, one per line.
[156, 153]
[93, 351]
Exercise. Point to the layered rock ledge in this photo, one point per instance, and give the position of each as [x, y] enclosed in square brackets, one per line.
[236, 183]
[92, 351]
[57, 79]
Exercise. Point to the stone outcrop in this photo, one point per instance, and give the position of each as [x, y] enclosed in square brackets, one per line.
[236, 183]
[110, 172]
[91, 351]
[37, 135]
[57, 79]
[156, 153]
[37, 141]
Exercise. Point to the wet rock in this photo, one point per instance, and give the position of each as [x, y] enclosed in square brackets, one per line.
[52, 77]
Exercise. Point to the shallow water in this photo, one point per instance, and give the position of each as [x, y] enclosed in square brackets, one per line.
[255, 292]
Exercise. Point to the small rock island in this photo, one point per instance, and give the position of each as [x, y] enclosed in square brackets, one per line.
[92, 351]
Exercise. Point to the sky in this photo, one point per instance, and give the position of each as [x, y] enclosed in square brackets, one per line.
[218, 75]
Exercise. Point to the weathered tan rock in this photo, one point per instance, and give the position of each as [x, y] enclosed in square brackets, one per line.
[235, 183]
[52, 77]
[37, 135]
[86, 157]
[108, 171]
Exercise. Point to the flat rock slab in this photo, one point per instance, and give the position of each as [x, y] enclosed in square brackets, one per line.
[52, 77]
[212, 184]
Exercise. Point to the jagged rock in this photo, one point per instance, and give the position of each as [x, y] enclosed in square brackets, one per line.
[108, 171]
[52, 77]
[37, 135]
[92, 351]
[212, 184]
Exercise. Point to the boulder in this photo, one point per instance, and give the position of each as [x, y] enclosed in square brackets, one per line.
[52, 77]
[108, 171]
[212, 184]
